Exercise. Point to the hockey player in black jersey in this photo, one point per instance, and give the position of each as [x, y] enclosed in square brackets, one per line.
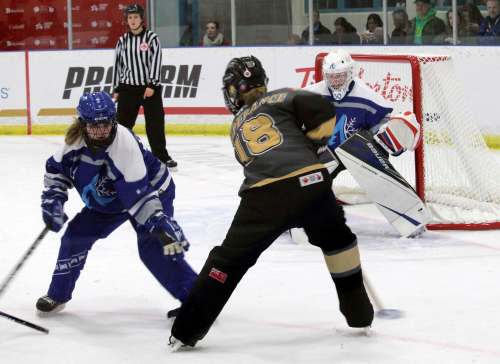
[276, 138]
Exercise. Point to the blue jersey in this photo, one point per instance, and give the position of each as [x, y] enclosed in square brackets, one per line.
[125, 177]
[361, 108]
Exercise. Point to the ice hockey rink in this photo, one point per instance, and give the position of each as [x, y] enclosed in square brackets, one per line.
[284, 310]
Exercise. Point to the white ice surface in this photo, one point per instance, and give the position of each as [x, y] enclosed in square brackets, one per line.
[284, 310]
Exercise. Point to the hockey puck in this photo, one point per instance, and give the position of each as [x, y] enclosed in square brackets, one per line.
[389, 314]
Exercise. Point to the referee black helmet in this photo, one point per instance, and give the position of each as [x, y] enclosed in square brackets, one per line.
[134, 9]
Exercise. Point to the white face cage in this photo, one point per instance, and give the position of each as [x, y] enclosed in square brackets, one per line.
[99, 131]
[338, 73]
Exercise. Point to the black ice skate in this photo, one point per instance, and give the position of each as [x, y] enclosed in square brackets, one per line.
[46, 305]
[172, 314]
[176, 345]
[171, 164]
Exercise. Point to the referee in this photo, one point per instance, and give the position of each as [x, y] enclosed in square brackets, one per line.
[136, 81]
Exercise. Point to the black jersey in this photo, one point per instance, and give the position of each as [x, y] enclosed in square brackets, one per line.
[278, 136]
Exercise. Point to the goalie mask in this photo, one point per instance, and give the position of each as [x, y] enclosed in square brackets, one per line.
[338, 73]
[97, 113]
[241, 75]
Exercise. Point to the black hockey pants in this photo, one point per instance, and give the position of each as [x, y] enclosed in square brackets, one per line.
[130, 100]
[264, 214]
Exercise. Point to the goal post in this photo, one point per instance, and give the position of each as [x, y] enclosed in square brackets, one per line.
[453, 170]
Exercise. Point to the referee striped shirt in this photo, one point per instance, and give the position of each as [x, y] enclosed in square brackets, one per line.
[137, 60]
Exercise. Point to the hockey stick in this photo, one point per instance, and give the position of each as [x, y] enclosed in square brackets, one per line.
[23, 260]
[11, 276]
[381, 312]
[24, 322]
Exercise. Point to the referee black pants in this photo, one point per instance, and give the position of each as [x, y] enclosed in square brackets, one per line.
[130, 99]
[264, 214]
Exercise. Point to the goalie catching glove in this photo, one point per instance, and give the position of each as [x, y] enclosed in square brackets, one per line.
[399, 134]
[170, 235]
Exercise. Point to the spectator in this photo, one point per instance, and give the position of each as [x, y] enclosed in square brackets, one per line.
[294, 39]
[187, 36]
[213, 37]
[426, 27]
[345, 32]
[374, 33]
[472, 18]
[322, 34]
[401, 27]
[489, 30]
[462, 31]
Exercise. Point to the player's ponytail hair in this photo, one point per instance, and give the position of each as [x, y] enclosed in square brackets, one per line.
[251, 96]
[74, 132]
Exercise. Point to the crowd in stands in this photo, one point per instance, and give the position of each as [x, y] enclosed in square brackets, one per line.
[425, 28]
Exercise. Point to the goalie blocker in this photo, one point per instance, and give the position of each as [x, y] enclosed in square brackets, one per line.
[384, 186]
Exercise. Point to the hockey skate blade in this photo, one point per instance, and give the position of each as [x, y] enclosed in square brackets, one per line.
[176, 345]
[389, 314]
[51, 313]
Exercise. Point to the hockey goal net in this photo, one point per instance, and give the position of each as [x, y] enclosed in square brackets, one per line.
[453, 170]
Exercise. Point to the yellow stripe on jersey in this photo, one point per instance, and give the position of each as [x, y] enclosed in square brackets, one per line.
[325, 130]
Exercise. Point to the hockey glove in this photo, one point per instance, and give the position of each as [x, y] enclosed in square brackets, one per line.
[171, 236]
[53, 214]
[399, 134]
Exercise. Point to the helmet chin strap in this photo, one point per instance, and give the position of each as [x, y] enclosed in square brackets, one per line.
[340, 94]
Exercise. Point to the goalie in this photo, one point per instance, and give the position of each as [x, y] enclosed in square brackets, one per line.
[359, 108]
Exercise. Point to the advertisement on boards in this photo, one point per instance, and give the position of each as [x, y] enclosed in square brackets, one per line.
[32, 24]
[191, 79]
[12, 88]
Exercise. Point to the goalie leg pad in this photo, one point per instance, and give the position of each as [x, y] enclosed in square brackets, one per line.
[390, 192]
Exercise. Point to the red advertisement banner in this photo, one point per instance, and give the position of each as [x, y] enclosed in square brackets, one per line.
[42, 24]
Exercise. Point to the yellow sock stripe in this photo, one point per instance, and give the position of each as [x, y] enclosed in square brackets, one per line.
[344, 261]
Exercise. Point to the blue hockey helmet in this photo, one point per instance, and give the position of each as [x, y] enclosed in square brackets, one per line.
[97, 113]
[96, 107]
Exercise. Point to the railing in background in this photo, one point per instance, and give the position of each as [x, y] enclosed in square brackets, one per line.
[93, 24]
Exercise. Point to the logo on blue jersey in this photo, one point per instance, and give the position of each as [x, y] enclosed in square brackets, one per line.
[344, 128]
[101, 189]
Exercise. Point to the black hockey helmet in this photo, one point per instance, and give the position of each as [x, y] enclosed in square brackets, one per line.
[241, 75]
[134, 9]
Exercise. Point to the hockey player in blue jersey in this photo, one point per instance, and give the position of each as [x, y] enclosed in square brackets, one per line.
[359, 108]
[118, 180]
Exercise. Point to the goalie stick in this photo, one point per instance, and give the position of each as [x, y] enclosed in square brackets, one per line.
[11, 276]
